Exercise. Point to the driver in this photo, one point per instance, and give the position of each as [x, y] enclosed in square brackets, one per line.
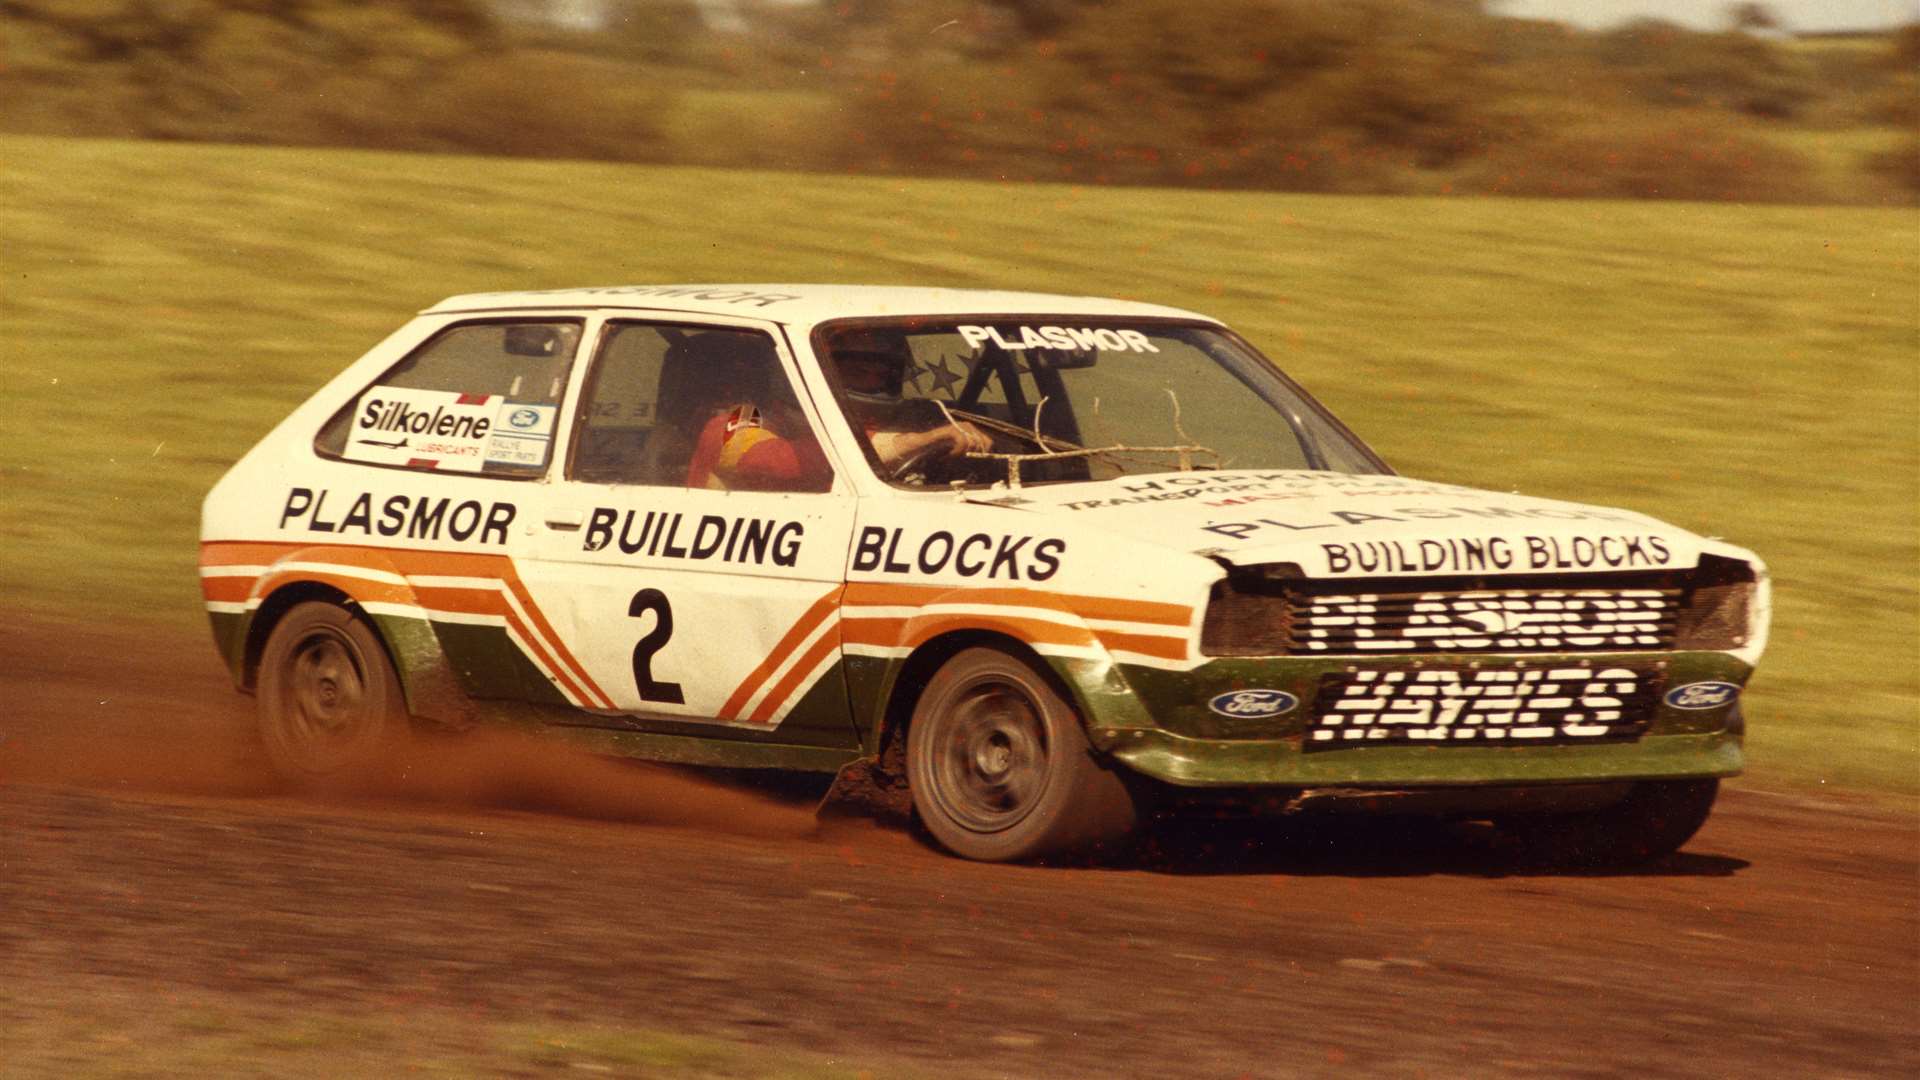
[872, 367]
[756, 438]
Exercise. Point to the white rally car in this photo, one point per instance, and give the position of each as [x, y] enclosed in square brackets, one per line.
[1033, 562]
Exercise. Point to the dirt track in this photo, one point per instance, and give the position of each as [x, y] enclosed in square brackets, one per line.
[140, 852]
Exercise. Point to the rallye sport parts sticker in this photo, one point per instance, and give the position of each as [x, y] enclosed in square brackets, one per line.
[522, 435]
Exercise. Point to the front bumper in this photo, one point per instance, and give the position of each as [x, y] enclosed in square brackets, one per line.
[1158, 723]
[1201, 763]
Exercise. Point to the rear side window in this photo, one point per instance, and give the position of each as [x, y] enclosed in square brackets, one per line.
[478, 397]
[701, 407]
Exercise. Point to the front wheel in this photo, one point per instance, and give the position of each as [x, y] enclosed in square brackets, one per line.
[1000, 769]
[1653, 819]
[330, 705]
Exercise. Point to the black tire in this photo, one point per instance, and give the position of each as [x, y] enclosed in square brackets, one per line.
[332, 714]
[1000, 769]
[1652, 820]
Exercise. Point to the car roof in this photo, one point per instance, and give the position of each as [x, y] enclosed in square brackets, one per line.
[808, 303]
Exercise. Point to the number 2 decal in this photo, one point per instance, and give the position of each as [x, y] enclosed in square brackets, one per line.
[656, 639]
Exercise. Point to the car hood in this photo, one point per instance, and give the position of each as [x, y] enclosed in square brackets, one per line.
[1333, 525]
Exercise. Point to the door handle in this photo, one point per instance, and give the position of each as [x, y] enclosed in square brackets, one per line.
[565, 519]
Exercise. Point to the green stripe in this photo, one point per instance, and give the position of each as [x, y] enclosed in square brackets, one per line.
[230, 639]
[1203, 763]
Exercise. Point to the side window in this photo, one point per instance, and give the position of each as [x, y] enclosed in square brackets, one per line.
[677, 406]
[477, 398]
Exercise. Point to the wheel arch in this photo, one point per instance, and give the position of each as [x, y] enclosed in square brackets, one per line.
[908, 680]
[428, 685]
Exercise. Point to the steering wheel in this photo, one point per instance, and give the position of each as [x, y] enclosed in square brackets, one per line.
[913, 462]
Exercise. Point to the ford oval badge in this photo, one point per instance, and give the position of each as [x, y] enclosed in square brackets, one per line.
[1252, 703]
[523, 418]
[1702, 695]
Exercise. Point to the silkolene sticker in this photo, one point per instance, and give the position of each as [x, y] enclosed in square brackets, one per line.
[447, 430]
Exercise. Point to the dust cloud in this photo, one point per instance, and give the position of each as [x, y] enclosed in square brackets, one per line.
[478, 770]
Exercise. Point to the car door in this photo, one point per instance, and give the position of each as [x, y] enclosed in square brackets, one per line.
[691, 554]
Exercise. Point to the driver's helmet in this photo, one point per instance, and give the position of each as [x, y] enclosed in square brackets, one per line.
[872, 364]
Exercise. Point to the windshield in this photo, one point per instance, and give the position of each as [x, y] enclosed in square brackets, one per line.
[1056, 399]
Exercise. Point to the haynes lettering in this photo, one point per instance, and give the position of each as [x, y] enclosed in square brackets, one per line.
[1466, 706]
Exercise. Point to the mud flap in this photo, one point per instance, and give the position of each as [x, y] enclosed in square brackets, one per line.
[865, 788]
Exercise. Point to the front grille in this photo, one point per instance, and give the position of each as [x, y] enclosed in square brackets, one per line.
[1503, 620]
[1454, 705]
[1255, 615]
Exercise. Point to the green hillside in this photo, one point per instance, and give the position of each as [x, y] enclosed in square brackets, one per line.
[1752, 373]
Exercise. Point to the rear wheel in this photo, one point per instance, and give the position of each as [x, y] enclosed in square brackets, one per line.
[1000, 769]
[1653, 819]
[330, 706]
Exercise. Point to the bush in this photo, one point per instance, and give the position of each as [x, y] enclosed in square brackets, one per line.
[1670, 65]
[540, 103]
[1900, 165]
[1696, 160]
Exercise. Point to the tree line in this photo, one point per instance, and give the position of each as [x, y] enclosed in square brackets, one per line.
[1356, 96]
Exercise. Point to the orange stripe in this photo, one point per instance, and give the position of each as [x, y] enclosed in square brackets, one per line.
[791, 682]
[357, 587]
[1032, 631]
[1088, 607]
[860, 630]
[236, 553]
[808, 621]
[875, 592]
[512, 579]
[468, 600]
[1163, 648]
[452, 564]
[537, 638]
[887, 632]
[560, 673]
[536, 631]
[462, 599]
[231, 590]
[552, 653]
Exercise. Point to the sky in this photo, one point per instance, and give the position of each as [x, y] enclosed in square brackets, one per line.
[1796, 15]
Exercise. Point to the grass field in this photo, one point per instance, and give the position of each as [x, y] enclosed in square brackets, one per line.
[102, 1035]
[1752, 373]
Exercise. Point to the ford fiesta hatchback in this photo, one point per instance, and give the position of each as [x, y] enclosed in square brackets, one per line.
[1032, 563]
